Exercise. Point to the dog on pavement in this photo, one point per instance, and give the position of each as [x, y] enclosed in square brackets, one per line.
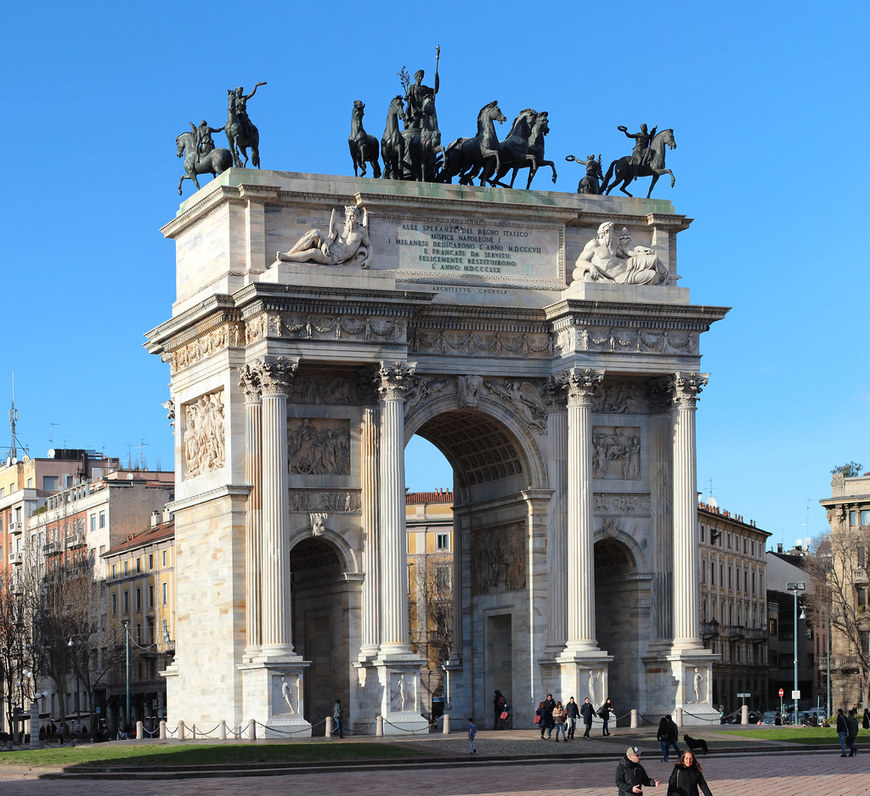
[695, 743]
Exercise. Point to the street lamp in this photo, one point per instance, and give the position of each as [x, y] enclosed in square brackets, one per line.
[794, 588]
[126, 624]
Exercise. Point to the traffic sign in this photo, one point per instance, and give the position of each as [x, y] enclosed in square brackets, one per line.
[795, 694]
[781, 692]
[744, 695]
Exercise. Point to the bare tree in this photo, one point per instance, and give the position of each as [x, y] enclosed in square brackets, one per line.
[840, 566]
[82, 647]
[431, 615]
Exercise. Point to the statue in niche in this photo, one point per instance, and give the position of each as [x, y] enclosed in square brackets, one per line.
[318, 523]
[698, 689]
[204, 435]
[287, 695]
[347, 246]
[398, 697]
[605, 259]
[594, 677]
[469, 390]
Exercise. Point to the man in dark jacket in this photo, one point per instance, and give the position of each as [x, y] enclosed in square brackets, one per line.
[630, 774]
[587, 712]
[572, 713]
[852, 734]
[842, 731]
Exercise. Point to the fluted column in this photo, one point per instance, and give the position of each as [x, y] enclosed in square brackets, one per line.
[393, 381]
[277, 631]
[250, 382]
[558, 572]
[661, 441]
[371, 607]
[687, 590]
[582, 384]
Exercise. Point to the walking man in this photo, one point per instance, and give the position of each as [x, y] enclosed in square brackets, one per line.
[336, 719]
[842, 731]
[572, 712]
[472, 731]
[587, 712]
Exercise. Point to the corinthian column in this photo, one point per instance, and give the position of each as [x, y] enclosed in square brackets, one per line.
[277, 630]
[371, 597]
[581, 558]
[687, 628]
[558, 576]
[250, 382]
[393, 381]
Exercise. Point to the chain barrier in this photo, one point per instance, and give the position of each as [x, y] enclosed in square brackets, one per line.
[151, 733]
[305, 730]
[717, 720]
[205, 734]
[415, 732]
[651, 722]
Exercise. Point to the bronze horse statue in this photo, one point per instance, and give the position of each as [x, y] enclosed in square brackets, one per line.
[466, 157]
[392, 143]
[363, 147]
[242, 133]
[524, 147]
[653, 165]
[215, 162]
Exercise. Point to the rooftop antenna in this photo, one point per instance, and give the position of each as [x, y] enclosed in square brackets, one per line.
[13, 417]
[51, 434]
[142, 446]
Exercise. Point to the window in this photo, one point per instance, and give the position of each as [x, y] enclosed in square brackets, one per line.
[852, 518]
[753, 583]
[164, 558]
[738, 578]
[126, 567]
[30, 483]
[442, 578]
[865, 517]
[138, 565]
[114, 604]
[745, 580]
[151, 561]
[861, 597]
[702, 533]
[126, 602]
[67, 481]
[729, 577]
[150, 639]
[753, 547]
[102, 519]
[164, 592]
[712, 574]
[49, 483]
[773, 661]
[721, 574]
[138, 599]
[139, 640]
[150, 595]
[442, 541]
[114, 570]
[729, 541]
[93, 522]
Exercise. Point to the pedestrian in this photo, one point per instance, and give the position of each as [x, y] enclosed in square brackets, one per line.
[865, 720]
[687, 779]
[547, 722]
[472, 732]
[852, 725]
[842, 731]
[631, 775]
[499, 706]
[572, 712]
[604, 713]
[336, 719]
[667, 736]
[540, 711]
[588, 713]
[559, 719]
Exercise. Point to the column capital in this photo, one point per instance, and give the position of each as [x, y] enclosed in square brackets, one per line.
[582, 384]
[687, 387]
[554, 391]
[250, 381]
[394, 379]
[275, 374]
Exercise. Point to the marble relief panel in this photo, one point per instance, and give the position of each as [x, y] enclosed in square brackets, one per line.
[203, 448]
[616, 452]
[498, 559]
[318, 446]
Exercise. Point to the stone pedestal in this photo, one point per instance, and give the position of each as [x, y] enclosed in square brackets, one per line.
[584, 676]
[400, 696]
[274, 690]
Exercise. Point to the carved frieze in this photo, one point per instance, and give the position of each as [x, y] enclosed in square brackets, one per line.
[619, 398]
[616, 452]
[226, 335]
[620, 340]
[523, 397]
[421, 390]
[336, 327]
[203, 448]
[318, 446]
[335, 388]
[471, 343]
[324, 500]
[498, 559]
[621, 503]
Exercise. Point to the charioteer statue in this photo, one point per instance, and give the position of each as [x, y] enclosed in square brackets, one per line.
[422, 137]
[640, 153]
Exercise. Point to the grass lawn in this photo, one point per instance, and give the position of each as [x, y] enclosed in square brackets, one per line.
[808, 735]
[169, 755]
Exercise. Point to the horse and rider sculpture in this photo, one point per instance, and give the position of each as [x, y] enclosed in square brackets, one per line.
[415, 151]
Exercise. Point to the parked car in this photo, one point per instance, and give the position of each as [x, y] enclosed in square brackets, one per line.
[769, 717]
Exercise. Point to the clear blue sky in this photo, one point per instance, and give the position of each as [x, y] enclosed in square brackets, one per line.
[766, 101]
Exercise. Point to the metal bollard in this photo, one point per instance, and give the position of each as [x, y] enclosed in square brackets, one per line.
[328, 731]
[252, 730]
[634, 718]
[744, 714]
[447, 724]
[222, 730]
[162, 730]
[181, 735]
[678, 719]
[379, 727]
[140, 730]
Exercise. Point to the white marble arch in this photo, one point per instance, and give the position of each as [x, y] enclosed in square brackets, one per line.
[528, 442]
[641, 562]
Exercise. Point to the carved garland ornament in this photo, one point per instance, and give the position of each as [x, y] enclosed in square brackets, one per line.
[451, 341]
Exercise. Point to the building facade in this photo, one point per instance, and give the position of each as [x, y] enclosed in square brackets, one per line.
[734, 606]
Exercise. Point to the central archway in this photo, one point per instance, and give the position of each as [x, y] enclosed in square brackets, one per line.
[490, 556]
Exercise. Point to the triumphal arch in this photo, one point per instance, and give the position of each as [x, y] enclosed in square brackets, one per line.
[542, 341]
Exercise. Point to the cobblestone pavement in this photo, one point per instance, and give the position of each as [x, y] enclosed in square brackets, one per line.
[754, 773]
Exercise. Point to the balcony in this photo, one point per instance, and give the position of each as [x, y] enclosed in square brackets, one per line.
[16, 527]
[75, 540]
[709, 629]
[732, 632]
[756, 635]
[49, 548]
[859, 575]
[16, 557]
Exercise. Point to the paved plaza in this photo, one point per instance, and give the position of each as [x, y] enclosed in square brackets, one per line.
[501, 770]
